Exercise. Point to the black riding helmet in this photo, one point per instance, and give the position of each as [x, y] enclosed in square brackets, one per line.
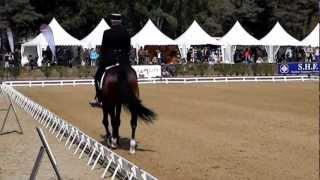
[114, 19]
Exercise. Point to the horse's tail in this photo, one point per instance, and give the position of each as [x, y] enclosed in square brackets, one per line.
[130, 99]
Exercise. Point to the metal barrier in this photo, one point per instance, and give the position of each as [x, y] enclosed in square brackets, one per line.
[43, 83]
[97, 152]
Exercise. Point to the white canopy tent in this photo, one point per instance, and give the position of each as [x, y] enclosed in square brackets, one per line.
[237, 35]
[150, 35]
[275, 38]
[313, 38]
[36, 45]
[95, 37]
[194, 35]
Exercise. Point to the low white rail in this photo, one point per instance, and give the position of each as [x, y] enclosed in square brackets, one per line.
[168, 80]
[97, 153]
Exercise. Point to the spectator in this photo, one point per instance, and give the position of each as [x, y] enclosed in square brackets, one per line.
[247, 55]
[132, 56]
[309, 54]
[6, 60]
[93, 57]
[141, 55]
[288, 54]
[317, 55]
[159, 56]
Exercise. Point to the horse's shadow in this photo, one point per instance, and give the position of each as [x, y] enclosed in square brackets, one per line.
[124, 144]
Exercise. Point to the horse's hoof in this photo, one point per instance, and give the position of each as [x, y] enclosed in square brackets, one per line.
[108, 140]
[114, 144]
[133, 146]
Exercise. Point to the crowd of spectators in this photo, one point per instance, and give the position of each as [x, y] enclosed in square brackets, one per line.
[210, 55]
[67, 56]
[298, 54]
[10, 59]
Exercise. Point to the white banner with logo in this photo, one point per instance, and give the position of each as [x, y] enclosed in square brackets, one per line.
[147, 71]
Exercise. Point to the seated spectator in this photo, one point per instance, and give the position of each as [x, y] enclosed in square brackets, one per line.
[259, 60]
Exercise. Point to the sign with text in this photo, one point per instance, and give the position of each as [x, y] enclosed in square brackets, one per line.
[148, 71]
[298, 68]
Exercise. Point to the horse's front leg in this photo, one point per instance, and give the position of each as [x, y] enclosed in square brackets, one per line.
[106, 126]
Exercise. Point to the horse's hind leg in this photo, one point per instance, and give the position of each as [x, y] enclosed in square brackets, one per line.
[115, 128]
[133, 144]
[118, 120]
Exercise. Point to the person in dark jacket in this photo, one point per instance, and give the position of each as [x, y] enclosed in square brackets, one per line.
[115, 49]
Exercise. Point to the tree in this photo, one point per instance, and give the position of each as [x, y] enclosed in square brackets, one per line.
[19, 15]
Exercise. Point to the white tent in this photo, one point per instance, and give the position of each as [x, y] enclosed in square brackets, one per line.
[194, 35]
[61, 38]
[313, 38]
[95, 37]
[279, 37]
[237, 35]
[275, 38]
[150, 35]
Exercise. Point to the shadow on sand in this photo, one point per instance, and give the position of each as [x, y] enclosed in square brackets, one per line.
[124, 144]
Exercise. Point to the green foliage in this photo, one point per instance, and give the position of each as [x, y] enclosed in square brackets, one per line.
[62, 71]
[2, 73]
[14, 72]
[19, 15]
[84, 71]
[172, 17]
[47, 71]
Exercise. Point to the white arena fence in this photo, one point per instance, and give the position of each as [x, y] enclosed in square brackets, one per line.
[44, 83]
[97, 153]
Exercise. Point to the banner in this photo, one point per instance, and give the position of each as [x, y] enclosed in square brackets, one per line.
[10, 39]
[298, 68]
[148, 71]
[48, 35]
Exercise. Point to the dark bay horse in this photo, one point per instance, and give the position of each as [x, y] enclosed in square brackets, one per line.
[120, 88]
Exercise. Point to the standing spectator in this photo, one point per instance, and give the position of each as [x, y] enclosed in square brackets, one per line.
[193, 55]
[140, 56]
[317, 55]
[11, 60]
[289, 54]
[93, 57]
[6, 60]
[247, 55]
[132, 56]
[16, 57]
[309, 54]
[159, 56]
[147, 57]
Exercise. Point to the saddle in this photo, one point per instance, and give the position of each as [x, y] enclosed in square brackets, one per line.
[100, 83]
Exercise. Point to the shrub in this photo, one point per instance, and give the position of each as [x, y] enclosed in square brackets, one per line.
[47, 71]
[62, 71]
[84, 71]
[15, 71]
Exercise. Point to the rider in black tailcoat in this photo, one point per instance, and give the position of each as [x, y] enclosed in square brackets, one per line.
[115, 48]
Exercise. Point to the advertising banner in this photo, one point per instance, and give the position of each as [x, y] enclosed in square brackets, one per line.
[298, 68]
[148, 71]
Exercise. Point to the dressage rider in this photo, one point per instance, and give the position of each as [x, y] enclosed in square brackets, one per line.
[115, 49]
